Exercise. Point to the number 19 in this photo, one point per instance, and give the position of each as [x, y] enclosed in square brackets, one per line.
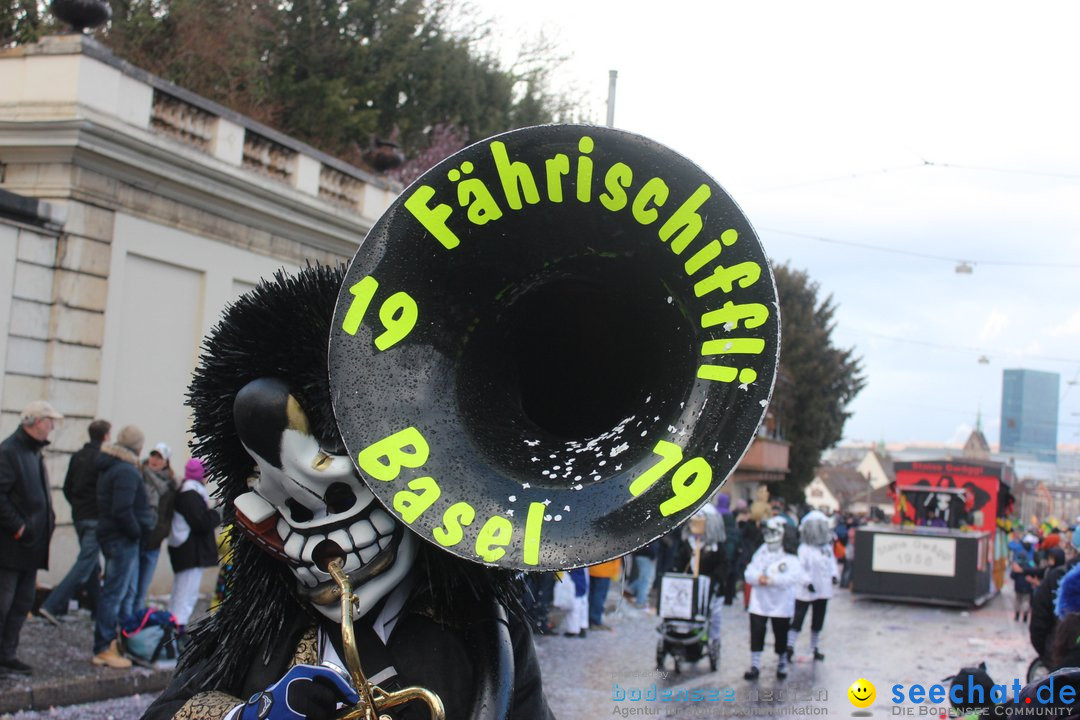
[397, 313]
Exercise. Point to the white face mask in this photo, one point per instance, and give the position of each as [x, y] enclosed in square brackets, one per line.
[314, 502]
[773, 533]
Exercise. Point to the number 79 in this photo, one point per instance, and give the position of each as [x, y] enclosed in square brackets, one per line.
[688, 485]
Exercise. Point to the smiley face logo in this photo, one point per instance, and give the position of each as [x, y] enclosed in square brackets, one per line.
[862, 693]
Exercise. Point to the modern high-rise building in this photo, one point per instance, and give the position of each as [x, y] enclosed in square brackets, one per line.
[1029, 413]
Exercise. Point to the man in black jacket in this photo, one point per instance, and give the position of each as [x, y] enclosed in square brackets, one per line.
[124, 518]
[26, 524]
[80, 489]
[1043, 619]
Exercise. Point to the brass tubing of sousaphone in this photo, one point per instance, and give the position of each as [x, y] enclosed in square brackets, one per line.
[373, 699]
[366, 707]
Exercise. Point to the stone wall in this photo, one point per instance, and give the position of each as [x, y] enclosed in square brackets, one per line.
[137, 180]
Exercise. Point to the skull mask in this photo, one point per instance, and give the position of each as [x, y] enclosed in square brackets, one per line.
[773, 532]
[307, 505]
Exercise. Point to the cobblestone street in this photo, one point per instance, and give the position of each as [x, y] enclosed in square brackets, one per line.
[885, 643]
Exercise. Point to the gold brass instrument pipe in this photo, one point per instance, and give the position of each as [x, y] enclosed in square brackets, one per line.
[373, 699]
[365, 709]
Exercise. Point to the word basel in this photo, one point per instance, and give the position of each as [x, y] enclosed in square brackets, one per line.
[680, 229]
[386, 459]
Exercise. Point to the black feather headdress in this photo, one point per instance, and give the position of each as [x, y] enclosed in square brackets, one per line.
[281, 329]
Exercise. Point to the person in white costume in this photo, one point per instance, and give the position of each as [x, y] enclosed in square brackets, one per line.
[819, 562]
[773, 575]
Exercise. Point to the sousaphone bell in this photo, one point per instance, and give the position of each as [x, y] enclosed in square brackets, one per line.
[554, 347]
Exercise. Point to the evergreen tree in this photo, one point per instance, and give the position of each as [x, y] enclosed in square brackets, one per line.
[24, 21]
[824, 378]
[339, 73]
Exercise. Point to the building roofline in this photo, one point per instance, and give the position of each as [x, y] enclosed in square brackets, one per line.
[92, 48]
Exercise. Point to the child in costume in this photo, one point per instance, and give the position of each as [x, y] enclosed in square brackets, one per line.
[773, 576]
[819, 561]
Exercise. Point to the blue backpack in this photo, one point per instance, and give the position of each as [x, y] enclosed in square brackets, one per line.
[149, 637]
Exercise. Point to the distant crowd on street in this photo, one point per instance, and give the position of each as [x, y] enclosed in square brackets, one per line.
[1040, 557]
[781, 562]
[124, 506]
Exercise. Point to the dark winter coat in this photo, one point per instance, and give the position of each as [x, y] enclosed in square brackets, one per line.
[1043, 619]
[161, 491]
[1021, 582]
[80, 483]
[123, 509]
[200, 548]
[486, 660]
[732, 539]
[713, 564]
[24, 501]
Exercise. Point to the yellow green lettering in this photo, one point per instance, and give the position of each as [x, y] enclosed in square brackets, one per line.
[670, 456]
[383, 460]
[457, 515]
[513, 174]
[398, 315]
[722, 373]
[533, 525]
[655, 191]
[482, 206]
[584, 170]
[411, 503]
[724, 278]
[619, 177]
[704, 255]
[493, 537]
[685, 221]
[733, 346]
[362, 293]
[556, 168]
[751, 315]
[688, 485]
[432, 218]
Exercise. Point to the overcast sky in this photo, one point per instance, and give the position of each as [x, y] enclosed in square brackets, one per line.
[936, 132]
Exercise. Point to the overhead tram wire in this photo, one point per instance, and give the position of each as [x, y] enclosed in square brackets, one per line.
[913, 253]
[1010, 171]
[924, 163]
[957, 348]
[839, 178]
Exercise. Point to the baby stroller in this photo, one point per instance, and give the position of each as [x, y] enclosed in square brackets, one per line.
[689, 605]
[684, 627]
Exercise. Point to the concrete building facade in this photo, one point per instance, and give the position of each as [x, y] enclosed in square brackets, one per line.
[134, 212]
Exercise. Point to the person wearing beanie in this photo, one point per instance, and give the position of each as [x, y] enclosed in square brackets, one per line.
[192, 546]
[161, 489]
[125, 518]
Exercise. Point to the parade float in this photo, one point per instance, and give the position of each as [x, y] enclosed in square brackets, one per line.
[944, 544]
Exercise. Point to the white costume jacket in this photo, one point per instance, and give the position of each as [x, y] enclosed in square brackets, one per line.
[819, 562]
[785, 574]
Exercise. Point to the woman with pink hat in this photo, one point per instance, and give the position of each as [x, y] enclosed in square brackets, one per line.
[192, 546]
